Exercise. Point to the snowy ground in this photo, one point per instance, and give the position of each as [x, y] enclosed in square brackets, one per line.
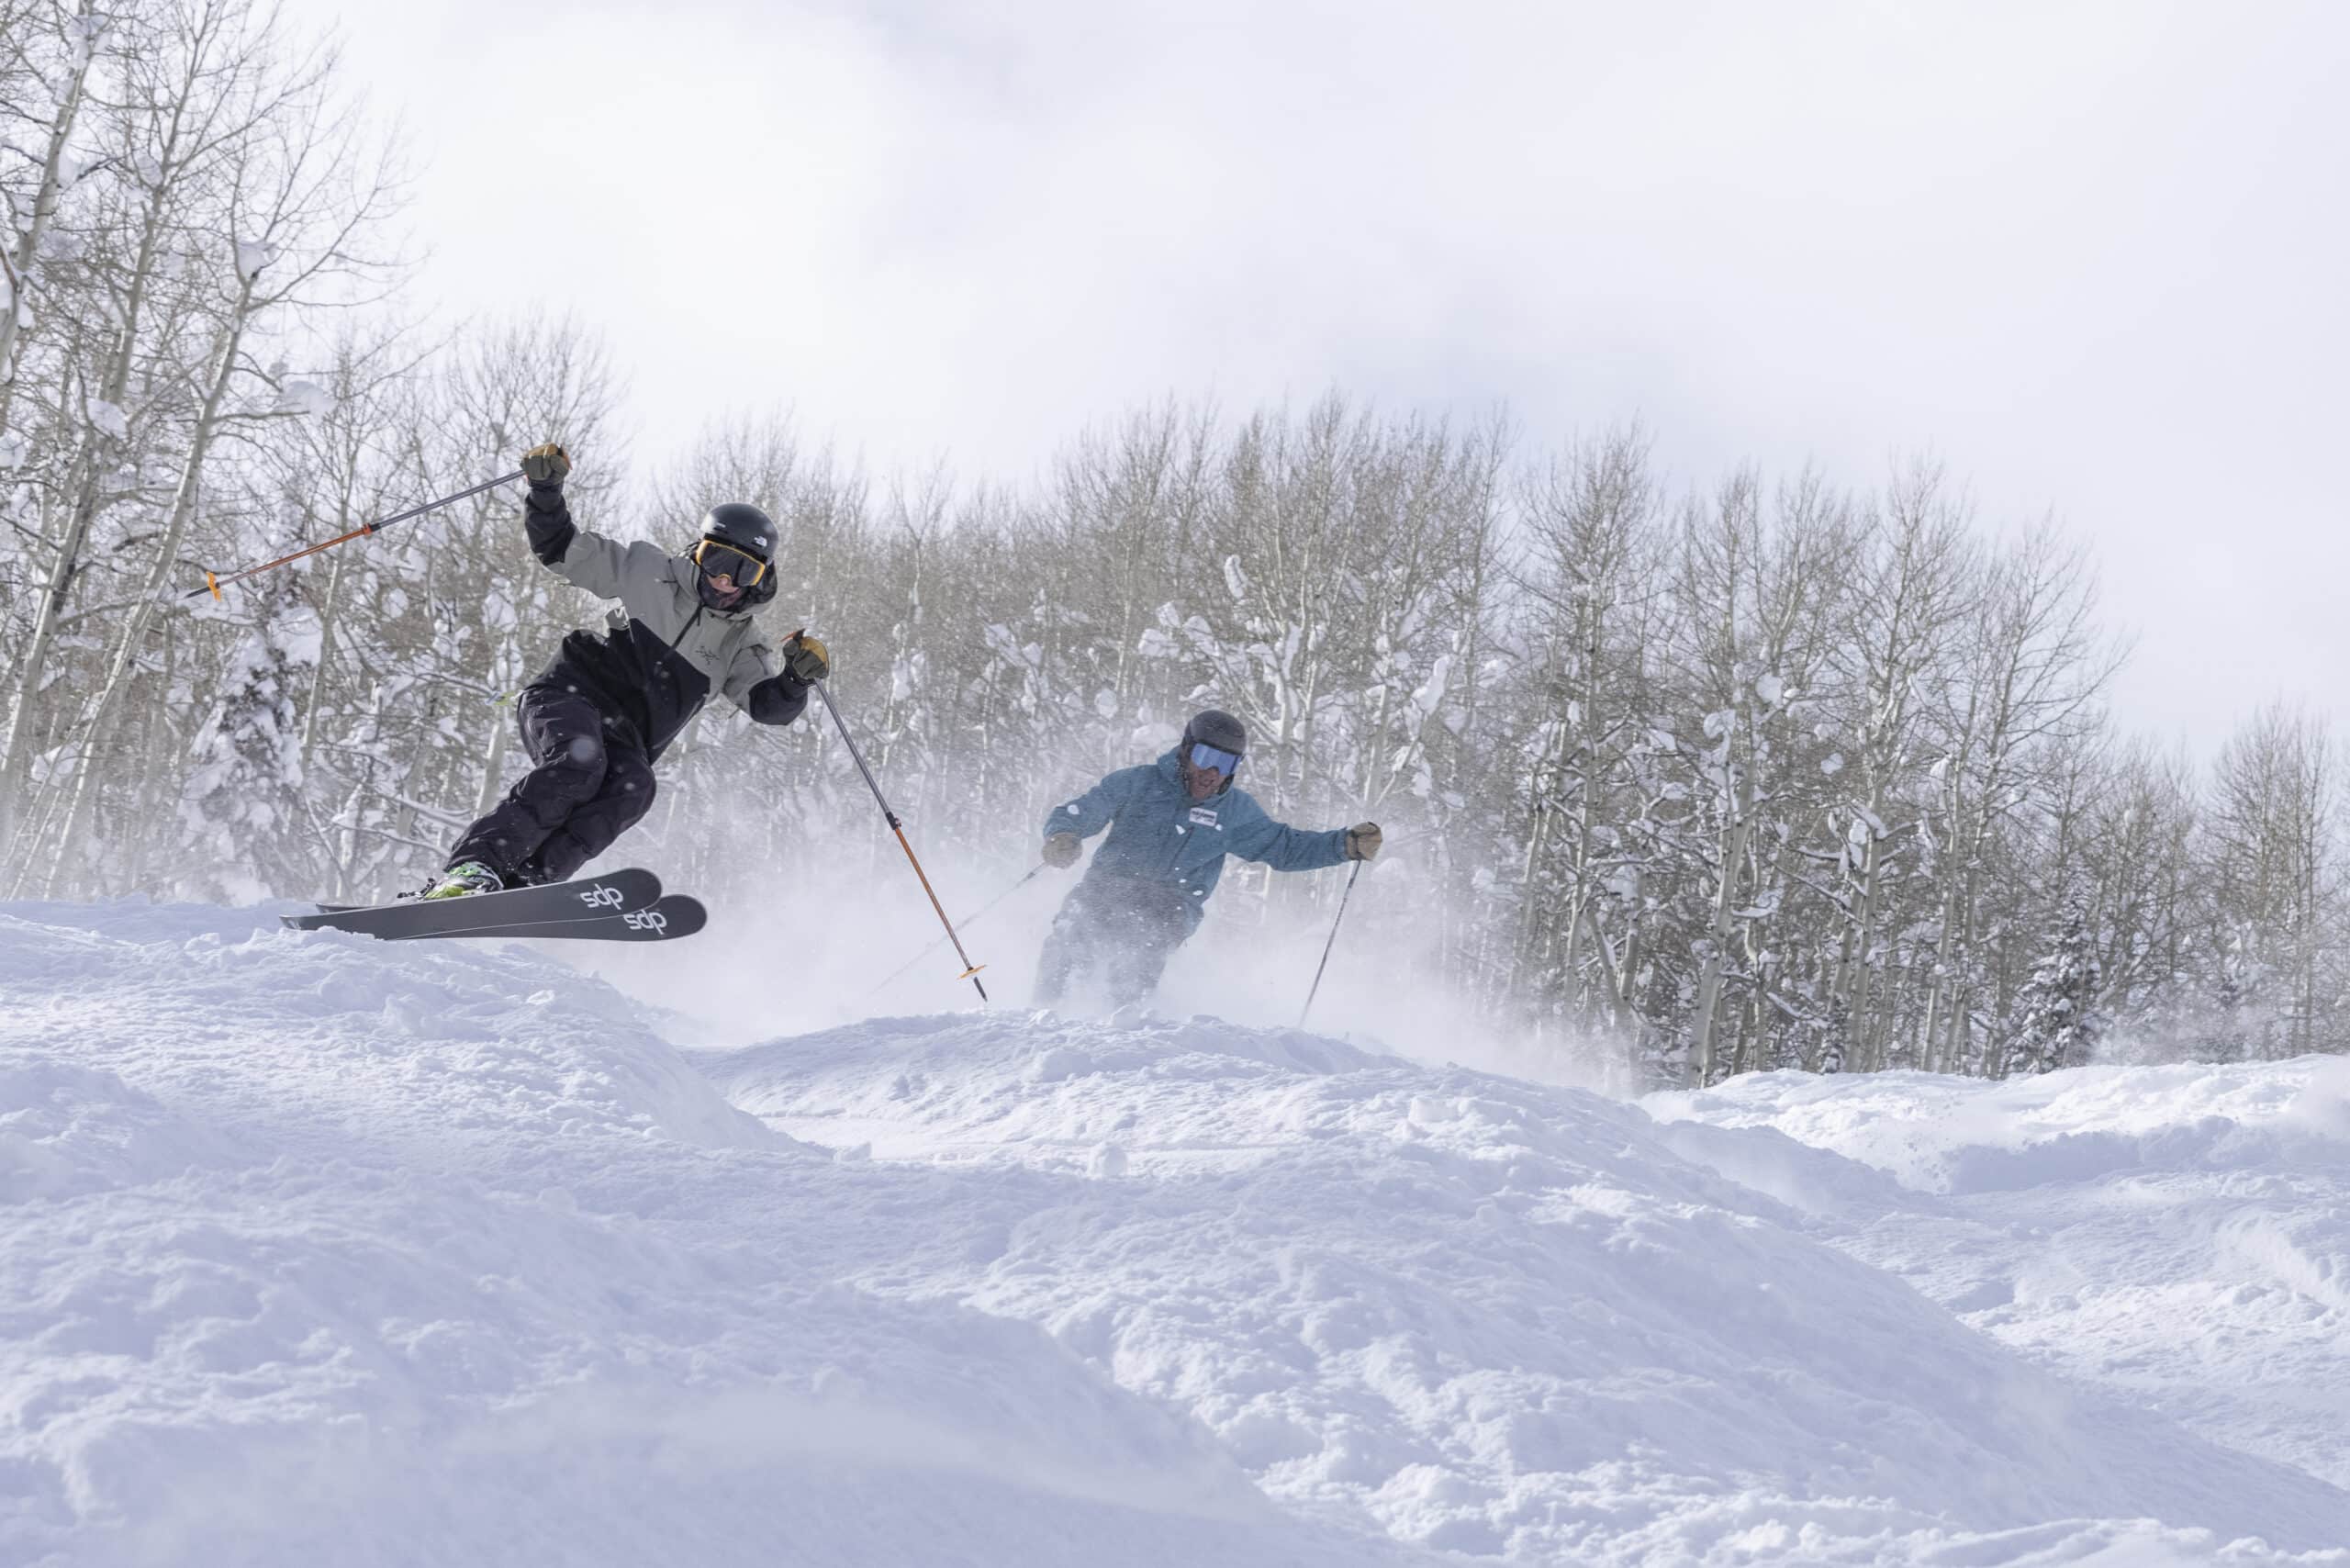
[321, 1250]
[2179, 1235]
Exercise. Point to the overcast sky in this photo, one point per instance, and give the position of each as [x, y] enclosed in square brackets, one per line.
[2090, 254]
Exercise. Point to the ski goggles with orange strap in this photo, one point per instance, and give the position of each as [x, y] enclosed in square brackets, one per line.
[719, 559]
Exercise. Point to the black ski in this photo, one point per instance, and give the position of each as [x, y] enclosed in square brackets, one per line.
[615, 893]
[663, 920]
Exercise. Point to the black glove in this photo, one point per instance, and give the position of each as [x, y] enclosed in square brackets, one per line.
[545, 466]
[807, 658]
[1061, 850]
[1362, 841]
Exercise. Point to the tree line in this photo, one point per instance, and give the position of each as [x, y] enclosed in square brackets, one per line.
[1774, 770]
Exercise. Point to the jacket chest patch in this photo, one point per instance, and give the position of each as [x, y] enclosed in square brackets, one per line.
[1204, 816]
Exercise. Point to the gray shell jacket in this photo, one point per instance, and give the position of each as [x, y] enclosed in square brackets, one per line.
[664, 651]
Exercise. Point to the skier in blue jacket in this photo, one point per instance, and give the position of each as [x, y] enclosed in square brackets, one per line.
[1171, 823]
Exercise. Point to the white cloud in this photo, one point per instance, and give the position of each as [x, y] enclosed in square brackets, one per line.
[2083, 250]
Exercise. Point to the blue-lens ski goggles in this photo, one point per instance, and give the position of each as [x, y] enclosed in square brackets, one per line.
[1210, 759]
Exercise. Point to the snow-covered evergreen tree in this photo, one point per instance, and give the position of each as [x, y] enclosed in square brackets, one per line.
[2058, 1023]
[242, 797]
[2224, 1043]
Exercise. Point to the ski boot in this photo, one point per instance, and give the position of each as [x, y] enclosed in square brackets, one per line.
[466, 876]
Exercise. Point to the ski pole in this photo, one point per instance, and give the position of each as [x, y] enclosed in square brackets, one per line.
[214, 582]
[1316, 989]
[972, 918]
[971, 971]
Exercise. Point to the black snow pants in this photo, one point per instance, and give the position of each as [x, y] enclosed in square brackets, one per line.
[1124, 926]
[592, 781]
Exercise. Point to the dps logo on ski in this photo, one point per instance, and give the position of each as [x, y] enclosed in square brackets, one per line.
[602, 897]
[646, 920]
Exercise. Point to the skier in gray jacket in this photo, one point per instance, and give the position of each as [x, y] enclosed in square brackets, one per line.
[600, 715]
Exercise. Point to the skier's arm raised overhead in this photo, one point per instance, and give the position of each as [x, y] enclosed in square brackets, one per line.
[777, 697]
[584, 560]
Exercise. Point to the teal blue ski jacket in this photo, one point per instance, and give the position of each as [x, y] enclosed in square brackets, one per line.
[1159, 834]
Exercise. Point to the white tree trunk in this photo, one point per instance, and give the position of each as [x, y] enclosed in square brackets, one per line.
[159, 577]
[20, 262]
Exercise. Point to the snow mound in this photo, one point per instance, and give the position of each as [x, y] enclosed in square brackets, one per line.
[1495, 1318]
[190, 1000]
[2179, 1235]
[1945, 1135]
[323, 1249]
[327, 1251]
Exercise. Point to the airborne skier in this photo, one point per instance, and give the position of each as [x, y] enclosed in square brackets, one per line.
[598, 718]
[1171, 823]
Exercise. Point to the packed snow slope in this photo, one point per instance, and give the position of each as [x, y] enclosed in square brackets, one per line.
[322, 1249]
[2178, 1234]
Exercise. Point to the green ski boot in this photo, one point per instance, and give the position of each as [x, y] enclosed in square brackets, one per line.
[463, 877]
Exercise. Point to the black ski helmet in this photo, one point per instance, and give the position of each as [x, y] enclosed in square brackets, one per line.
[1214, 726]
[744, 527]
